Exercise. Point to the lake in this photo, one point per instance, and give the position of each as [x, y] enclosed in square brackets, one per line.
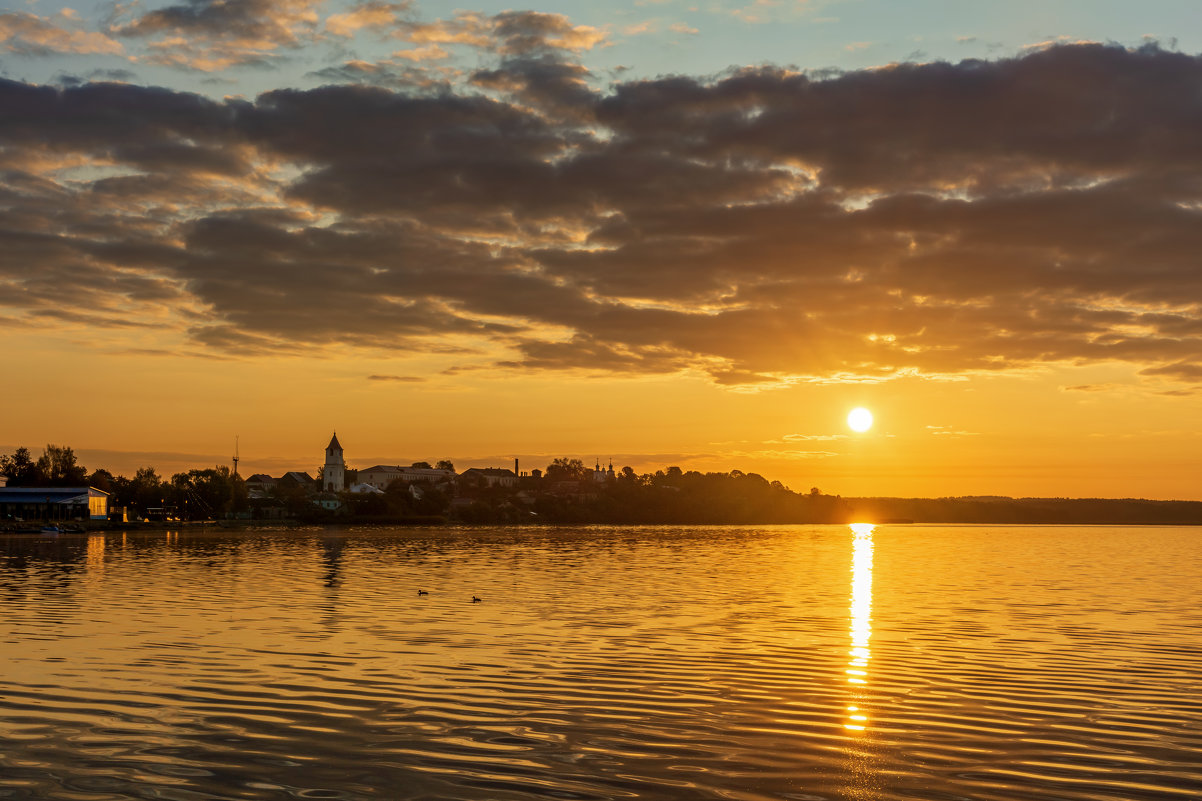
[739, 663]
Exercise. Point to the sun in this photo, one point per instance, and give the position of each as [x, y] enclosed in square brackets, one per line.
[859, 419]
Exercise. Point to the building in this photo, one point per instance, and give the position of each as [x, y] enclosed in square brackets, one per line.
[381, 475]
[54, 503]
[295, 478]
[333, 475]
[259, 485]
[489, 477]
[602, 476]
[328, 501]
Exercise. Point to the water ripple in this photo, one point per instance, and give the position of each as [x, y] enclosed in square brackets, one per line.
[809, 663]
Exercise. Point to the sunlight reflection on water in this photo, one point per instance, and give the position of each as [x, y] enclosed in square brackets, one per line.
[671, 662]
[861, 620]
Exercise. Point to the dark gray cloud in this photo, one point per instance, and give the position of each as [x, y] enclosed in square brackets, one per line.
[760, 226]
[213, 35]
[390, 75]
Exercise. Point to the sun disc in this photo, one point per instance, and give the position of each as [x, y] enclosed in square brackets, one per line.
[859, 419]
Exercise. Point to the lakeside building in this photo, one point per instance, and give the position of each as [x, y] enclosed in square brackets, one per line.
[333, 474]
[54, 503]
[462, 488]
[328, 501]
[489, 477]
[601, 476]
[381, 475]
[258, 485]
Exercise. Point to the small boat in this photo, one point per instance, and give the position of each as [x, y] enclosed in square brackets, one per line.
[51, 531]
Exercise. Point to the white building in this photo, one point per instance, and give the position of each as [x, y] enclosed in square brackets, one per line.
[333, 475]
[490, 477]
[381, 475]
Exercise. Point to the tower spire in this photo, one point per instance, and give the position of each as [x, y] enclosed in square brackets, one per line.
[235, 455]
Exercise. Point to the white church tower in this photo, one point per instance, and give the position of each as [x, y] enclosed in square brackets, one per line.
[333, 475]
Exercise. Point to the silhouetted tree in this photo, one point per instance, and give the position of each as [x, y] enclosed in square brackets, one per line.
[445, 464]
[20, 469]
[421, 465]
[433, 501]
[146, 490]
[59, 467]
[209, 493]
[101, 479]
[565, 469]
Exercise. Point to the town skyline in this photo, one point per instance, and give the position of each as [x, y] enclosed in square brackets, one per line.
[652, 232]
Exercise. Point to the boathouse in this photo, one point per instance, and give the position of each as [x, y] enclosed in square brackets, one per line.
[53, 503]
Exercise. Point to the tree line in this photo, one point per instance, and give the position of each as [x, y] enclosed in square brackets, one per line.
[570, 492]
[194, 494]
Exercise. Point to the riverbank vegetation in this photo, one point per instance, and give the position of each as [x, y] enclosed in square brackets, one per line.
[566, 492]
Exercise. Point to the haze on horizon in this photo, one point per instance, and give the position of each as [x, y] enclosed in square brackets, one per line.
[649, 232]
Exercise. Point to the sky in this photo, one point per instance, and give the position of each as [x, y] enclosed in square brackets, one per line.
[654, 232]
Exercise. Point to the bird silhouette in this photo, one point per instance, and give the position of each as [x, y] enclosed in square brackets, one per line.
[476, 600]
[422, 592]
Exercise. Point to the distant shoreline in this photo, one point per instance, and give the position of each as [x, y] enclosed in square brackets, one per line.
[812, 510]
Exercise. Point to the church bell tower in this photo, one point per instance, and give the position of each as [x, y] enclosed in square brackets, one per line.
[333, 475]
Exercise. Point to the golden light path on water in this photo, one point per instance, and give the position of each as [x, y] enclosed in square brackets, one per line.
[285, 663]
[861, 623]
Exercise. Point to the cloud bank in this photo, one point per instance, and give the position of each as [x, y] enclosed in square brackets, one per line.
[759, 226]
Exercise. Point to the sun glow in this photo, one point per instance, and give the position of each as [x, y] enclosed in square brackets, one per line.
[860, 624]
[859, 419]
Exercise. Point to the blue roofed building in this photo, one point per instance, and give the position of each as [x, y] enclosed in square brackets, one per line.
[53, 503]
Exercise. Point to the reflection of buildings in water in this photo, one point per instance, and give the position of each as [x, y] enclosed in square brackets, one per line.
[331, 557]
[95, 553]
[861, 621]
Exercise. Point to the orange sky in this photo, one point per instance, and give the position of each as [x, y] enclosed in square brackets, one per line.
[1007, 434]
[510, 251]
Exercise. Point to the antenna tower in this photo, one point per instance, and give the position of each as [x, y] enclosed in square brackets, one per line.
[235, 454]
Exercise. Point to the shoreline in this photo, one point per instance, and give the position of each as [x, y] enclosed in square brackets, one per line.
[243, 525]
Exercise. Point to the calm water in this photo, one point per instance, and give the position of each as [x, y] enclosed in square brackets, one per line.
[785, 662]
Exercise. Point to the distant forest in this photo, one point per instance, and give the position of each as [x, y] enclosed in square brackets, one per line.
[570, 492]
[674, 496]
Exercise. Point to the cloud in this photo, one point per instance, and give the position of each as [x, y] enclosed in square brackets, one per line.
[813, 437]
[401, 378]
[1106, 387]
[945, 431]
[776, 455]
[760, 227]
[377, 16]
[392, 74]
[1180, 371]
[28, 34]
[509, 33]
[420, 54]
[214, 35]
